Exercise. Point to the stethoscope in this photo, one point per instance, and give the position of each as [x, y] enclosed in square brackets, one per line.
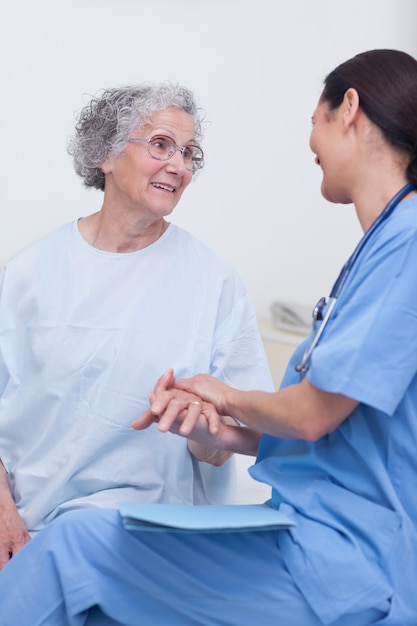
[304, 365]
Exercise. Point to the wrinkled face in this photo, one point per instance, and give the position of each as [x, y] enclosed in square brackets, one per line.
[137, 182]
[329, 143]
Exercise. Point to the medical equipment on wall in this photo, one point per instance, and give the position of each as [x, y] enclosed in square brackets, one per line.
[291, 316]
[318, 310]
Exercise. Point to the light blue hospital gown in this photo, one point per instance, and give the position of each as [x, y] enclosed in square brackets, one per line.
[351, 559]
[84, 336]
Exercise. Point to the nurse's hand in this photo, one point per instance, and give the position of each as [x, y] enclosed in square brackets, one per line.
[210, 438]
[13, 532]
[208, 444]
[207, 387]
[178, 411]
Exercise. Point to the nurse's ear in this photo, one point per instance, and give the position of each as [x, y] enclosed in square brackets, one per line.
[350, 107]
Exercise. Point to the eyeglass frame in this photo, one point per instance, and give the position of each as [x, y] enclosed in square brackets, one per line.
[148, 140]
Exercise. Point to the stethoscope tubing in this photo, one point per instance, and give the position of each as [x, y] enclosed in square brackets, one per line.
[305, 362]
[341, 279]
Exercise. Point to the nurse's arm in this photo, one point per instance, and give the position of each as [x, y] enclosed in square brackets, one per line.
[299, 411]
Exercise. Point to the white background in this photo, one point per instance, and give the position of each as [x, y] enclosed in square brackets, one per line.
[257, 68]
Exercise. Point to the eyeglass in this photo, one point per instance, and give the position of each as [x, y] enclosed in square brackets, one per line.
[163, 148]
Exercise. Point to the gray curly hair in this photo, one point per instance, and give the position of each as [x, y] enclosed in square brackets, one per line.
[106, 123]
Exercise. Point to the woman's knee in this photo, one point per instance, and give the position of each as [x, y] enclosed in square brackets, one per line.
[80, 518]
[81, 525]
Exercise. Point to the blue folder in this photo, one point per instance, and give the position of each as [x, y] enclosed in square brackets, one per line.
[202, 518]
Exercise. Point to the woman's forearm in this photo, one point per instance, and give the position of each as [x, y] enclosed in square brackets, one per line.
[231, 438]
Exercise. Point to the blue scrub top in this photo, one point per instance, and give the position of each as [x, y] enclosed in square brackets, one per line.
[353, 492]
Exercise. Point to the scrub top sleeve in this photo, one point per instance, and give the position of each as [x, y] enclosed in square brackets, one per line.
[369, 349]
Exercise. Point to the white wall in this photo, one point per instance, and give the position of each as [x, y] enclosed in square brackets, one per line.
[257, 67]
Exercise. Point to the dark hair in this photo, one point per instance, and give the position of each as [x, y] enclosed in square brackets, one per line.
[386, 81]
[104, 125]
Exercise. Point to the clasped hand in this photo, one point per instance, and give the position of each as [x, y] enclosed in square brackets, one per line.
[176, 408]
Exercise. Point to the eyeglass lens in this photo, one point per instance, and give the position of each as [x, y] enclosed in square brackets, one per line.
[163, 148]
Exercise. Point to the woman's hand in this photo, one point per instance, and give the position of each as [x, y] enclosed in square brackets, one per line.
[13, 532]
[184, 414]
[177, 411]
[211, 438]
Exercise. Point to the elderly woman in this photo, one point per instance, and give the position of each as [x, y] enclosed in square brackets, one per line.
[91, 314]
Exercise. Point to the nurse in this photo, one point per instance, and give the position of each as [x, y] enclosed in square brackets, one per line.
[336, 443]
